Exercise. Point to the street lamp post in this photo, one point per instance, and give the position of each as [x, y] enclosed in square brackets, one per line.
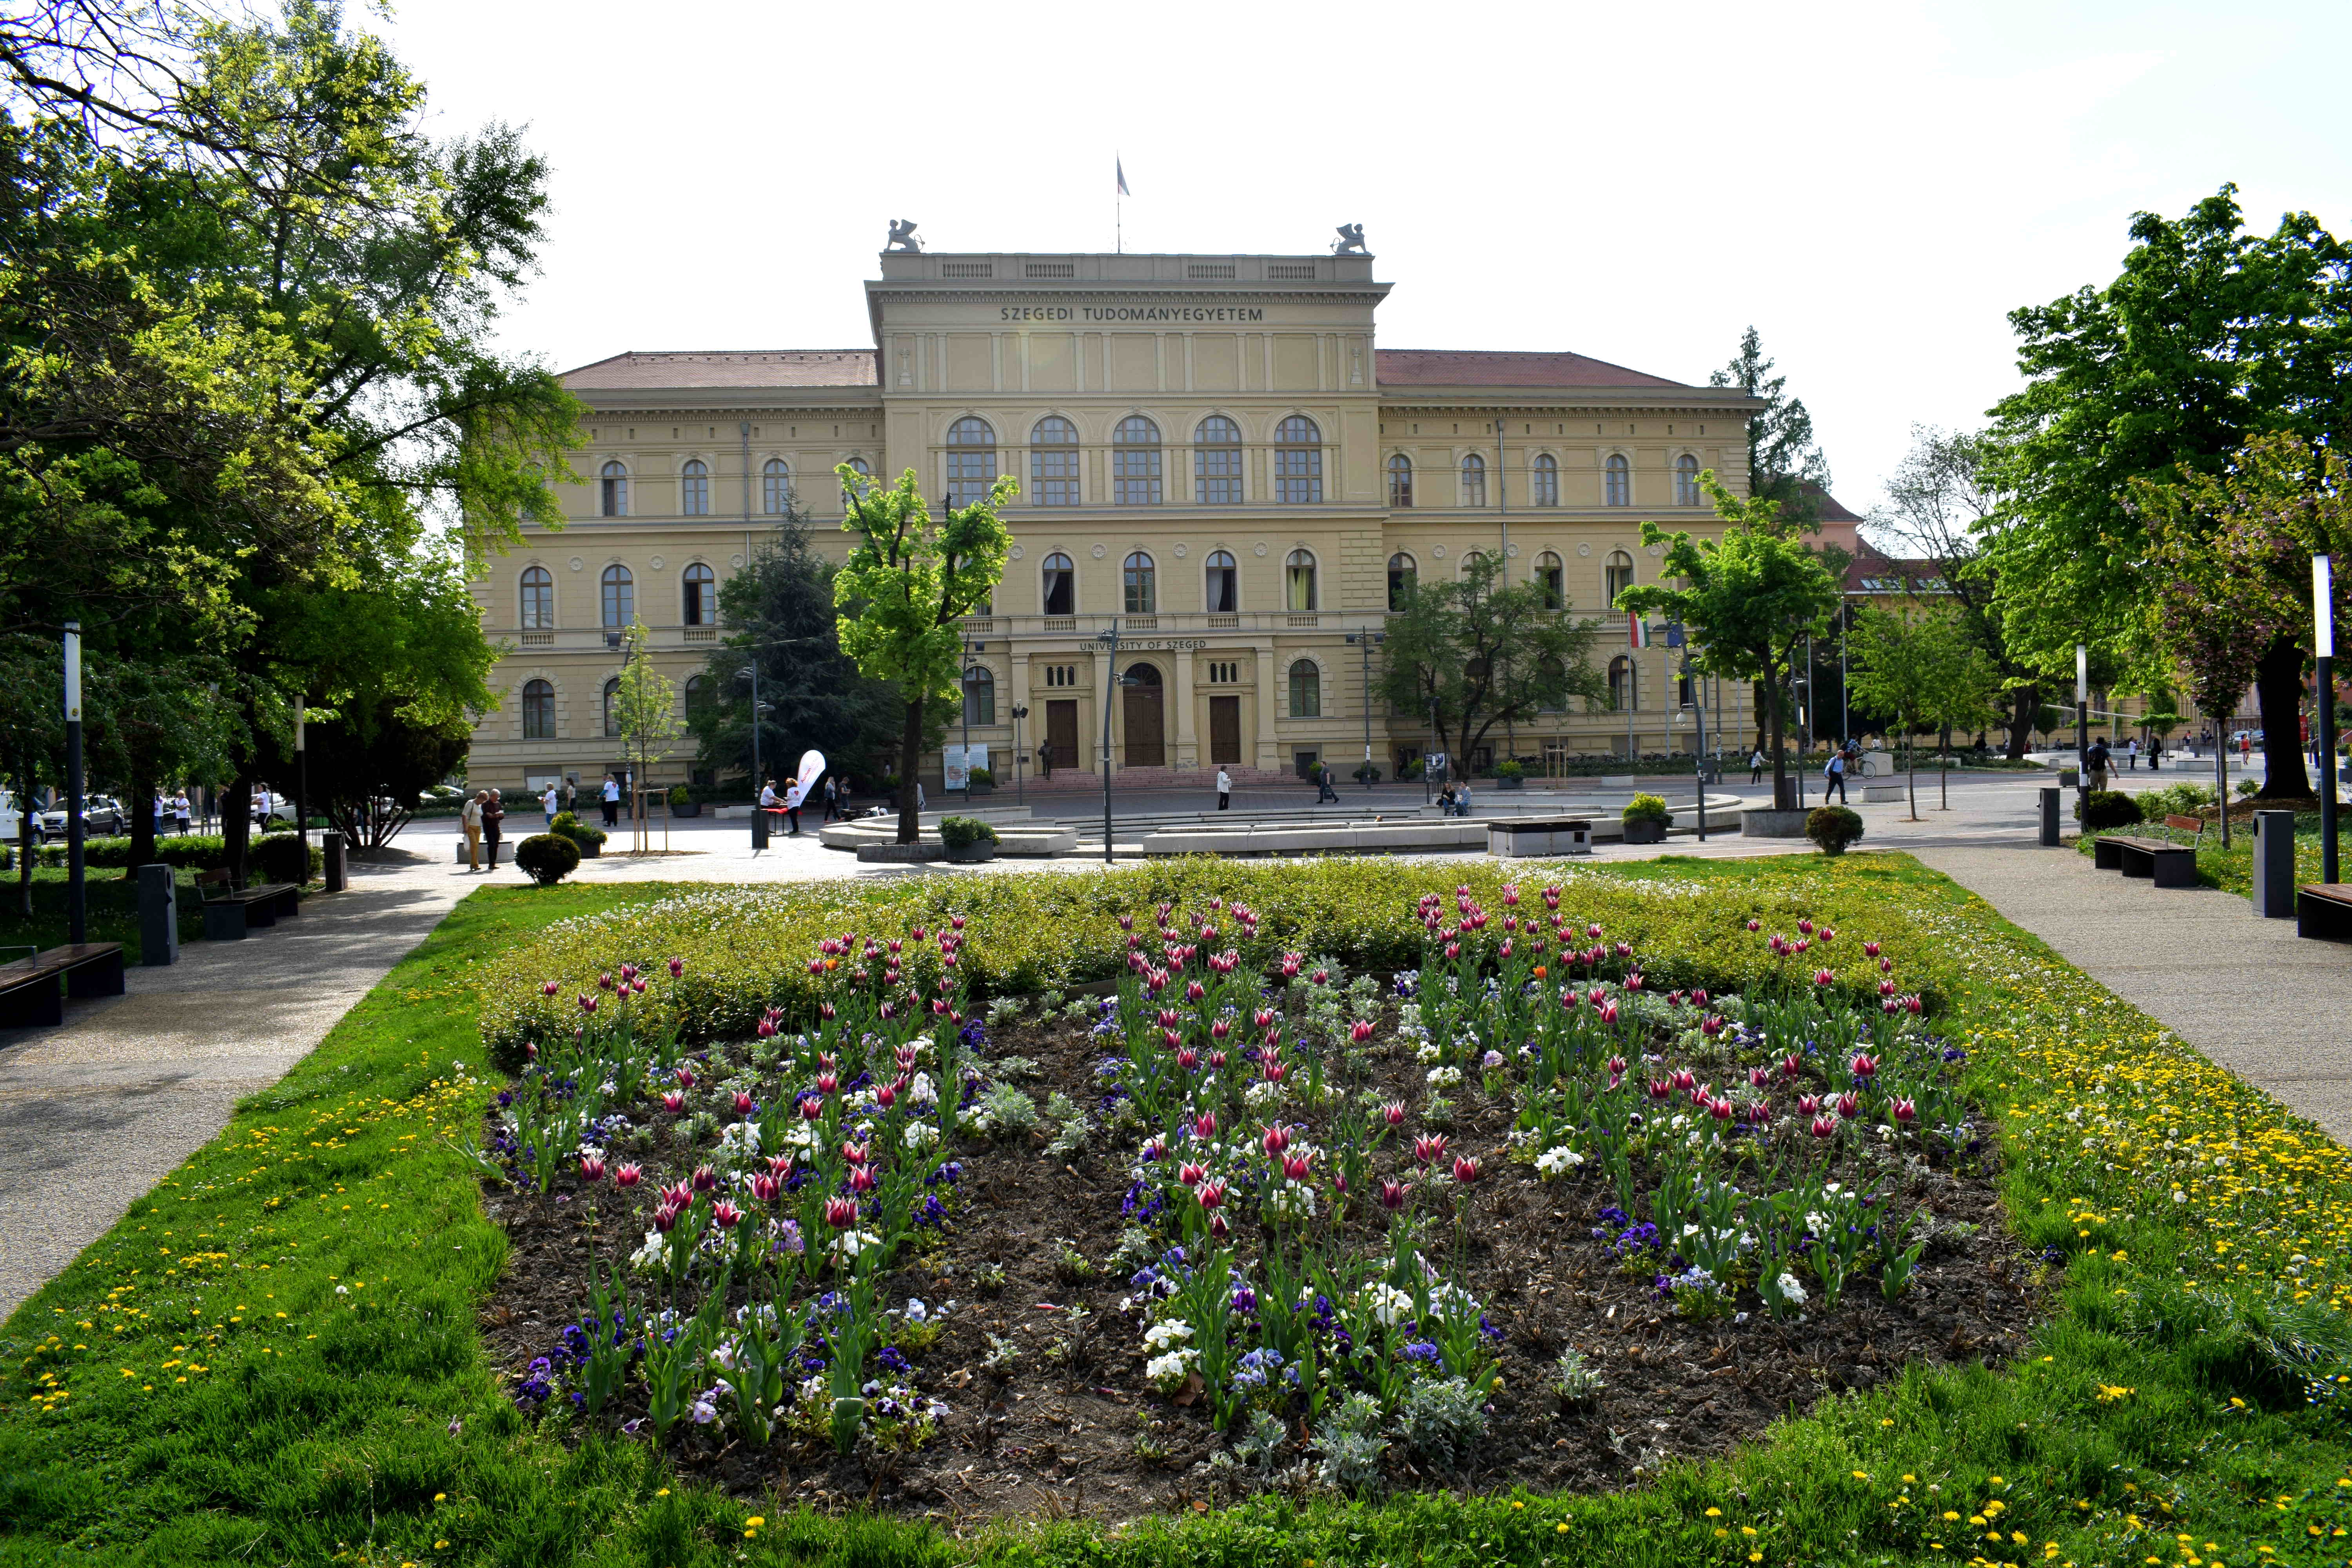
[1366, 639]
[1020, 779]
[2323, 613]
[2082, 743]
[76, 889]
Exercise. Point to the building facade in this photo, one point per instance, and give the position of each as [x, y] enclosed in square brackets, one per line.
[1212, 452]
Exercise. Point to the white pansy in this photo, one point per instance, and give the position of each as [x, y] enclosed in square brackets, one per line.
[1790, 1291]
[1160, 1335]
[1390, 1306]
[1558, 1161]
[921, 1135]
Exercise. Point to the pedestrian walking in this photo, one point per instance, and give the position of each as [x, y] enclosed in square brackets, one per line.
[493, 814]
[1323, 790]
[2131, 755]
[831, 801]
[547, 803]
[180, 810]
[1756, 767]
[570, 794]
[2095, 760]
[469, 817]
[1045, 760]
[1833, 778]
[1224, 789]
[921, 804]
[611, 801]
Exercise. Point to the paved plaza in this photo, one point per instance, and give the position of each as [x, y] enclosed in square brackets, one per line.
[92, 1114]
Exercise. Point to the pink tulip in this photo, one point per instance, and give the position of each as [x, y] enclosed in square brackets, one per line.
[1211, 1194]
[1885, 966]
[587, 1003]
[548, 988]
[887, 1096]
[677, 968]
[665, 1218]
[1217, 1060]
[1870, 949]
[862, 1179]
[1190, 1174]
[1913, 1005]
[628, 1175]
[1295, 1166]
[1805, 927]
[686, 1077]
[1204, 1126]
[1660, 1089]
[1393, 1192]
[1633, 981]
[1698, 997]
[1890, 1006]
[1825, 1126]
[811, 1109]
[592, 1169]
[1429, 1148]
[1792, 1066]
[1754, 925]
[1906, 1113]
[1710, 1026]
[1758, 1078]
[1466, 1169]
[605, 982]
[765, 1187]
[1848, 1105]
[1608, 1012]
[1276, 1140]
[1863, 1065]
[742, 1103]
[840, 1212]
[672, 1102]
[1822, 977]
[705, 1179]
[856, 1153]
[827, 1082]
[1721, 1110]
[1683, 1078]
[1809, 1104]
[1359, 1033]
[1394, 1113]
[726, 1215]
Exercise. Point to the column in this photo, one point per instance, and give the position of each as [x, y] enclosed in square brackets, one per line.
[1269, 757]
[1186, 752]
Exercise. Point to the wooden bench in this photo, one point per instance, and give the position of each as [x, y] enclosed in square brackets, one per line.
[29, 997]
[2170, 865]
[230, 912]
[2324, 909]
[2195, 825]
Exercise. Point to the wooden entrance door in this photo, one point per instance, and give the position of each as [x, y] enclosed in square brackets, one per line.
[1224, 730]
[1145, 733]
[1062, 731]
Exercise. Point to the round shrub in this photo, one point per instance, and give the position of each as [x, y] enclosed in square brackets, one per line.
[548, 857]
[981, 778]
[962, 832]
[1649, 809]
[567, 825]
[678, 795]
[2106, 809]
[1833, 828]
[1510, 768]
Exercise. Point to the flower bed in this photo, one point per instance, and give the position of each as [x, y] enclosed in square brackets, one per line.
[1512, 1217]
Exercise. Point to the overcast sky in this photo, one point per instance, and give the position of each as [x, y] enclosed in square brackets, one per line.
[1873, 186]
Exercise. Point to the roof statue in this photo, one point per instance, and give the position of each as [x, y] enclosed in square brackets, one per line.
[902, 234]
[1352, 240]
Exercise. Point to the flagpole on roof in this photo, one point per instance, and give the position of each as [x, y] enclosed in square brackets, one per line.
[1118, 205]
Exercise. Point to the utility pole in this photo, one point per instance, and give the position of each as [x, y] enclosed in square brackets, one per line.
[1366, 639]
[301, 790]
[2082, 743]
[2323, 611]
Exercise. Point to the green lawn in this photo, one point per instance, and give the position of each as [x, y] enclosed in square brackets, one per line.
[272, 1358]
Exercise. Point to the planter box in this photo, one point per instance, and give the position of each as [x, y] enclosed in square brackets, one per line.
[1526, 837]
[1520, 783]
[691, 808]
[1645, 832]
[972, 854]
[1765, 823]
[976, 790]
[900, 854]
[590, 851]
[1882, 792]
[2068, 778]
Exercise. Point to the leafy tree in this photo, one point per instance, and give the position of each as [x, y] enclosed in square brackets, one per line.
[1783, 458]
[908, 581]
[1942, 508]
[2212, 335]
[783, 609]
[1475, 653]
[1925, 669]
[1748, 600]
[367, 764]
[644, 709]
[2232, 555]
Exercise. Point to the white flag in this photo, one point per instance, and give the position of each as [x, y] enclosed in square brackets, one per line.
[1121, 168]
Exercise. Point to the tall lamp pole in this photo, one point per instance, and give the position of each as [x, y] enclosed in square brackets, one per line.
[1110, 640]
[76, 890]
[1020, 779]
[2323, 613]
[302, 790]
[1365, 639]
[2083, 740]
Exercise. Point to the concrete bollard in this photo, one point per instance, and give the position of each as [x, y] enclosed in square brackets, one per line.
[159, 916]
[2050, 817]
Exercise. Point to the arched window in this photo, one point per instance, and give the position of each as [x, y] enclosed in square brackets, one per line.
[537, 711]
[1624, 696]
[863, 482]
[702, 595]
[1400, 480]
[775, 487]
[1061, 583]
[1403, 572]
[972, 461]
[1553, 580]
[699, 694]
[1217, 462]
[613, 487]
[1054, 462]
[979, 696]
[612, 705]
[1297, 460]
[1617, 481]
[694, 490]
[1135, 462]
[1543, 479]
[1306, 689]
[537, 599]
[1139, 581]
[1616, 576]
[1299, 580]
[620, 598]
[1470, 563]
[1474, 480]
[1687, 480]
[1224, 583]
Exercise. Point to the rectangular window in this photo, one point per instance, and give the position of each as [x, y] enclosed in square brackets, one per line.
[1135, 476]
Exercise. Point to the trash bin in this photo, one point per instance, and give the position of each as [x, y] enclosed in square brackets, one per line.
[159, 916]
[2050, 817]
[331, 846]
[2274, 865]
[758, 828]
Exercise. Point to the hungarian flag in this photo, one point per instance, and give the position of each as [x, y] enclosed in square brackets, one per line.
[1121, 169]
[1635, 630]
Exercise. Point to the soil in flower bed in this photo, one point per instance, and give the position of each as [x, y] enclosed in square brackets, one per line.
[1068, 1423]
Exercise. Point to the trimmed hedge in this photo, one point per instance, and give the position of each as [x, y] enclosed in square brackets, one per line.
[567, 825]
[747, 949]
[2106, 809]
[1833, 828]
[192, 851]
[1649, 809]
[961, 832]
[548, 857]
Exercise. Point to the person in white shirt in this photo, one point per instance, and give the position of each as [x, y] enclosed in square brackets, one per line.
[1225, 790]
[470, 816]
[1756, 767]
[611, 802]
[548, 802]
[768, 798]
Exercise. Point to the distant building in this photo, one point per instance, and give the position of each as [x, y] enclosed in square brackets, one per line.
[1211, 449]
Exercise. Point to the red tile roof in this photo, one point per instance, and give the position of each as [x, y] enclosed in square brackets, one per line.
[1826, 507]
[1485, 367]
[771, 367]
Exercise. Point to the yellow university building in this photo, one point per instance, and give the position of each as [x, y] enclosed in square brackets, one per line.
[1213, 452]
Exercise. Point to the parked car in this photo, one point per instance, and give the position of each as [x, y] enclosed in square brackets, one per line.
[101, 816]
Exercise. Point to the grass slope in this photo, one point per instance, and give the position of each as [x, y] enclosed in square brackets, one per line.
[2165, 1415]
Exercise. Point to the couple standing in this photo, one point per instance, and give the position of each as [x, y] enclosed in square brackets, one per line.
[480, 817]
